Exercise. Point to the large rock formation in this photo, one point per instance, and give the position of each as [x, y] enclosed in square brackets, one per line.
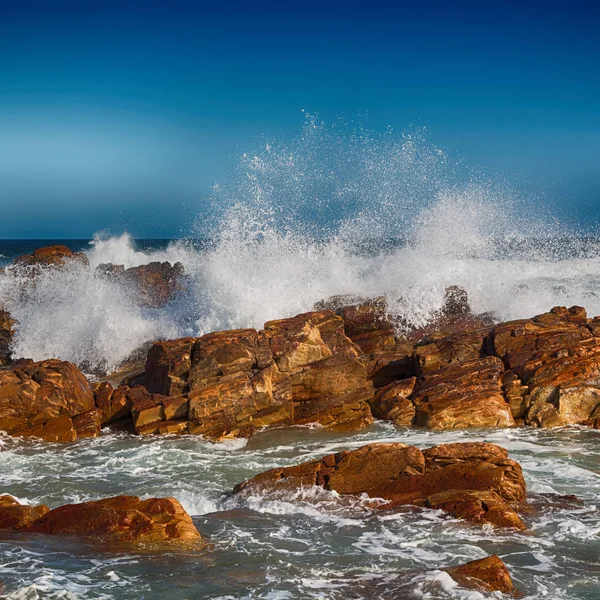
[50, 256]
[7, 331]
[476, 481]
[553, 371]
[122, 520]
[153, 284]
[487, 574]
[51, 400]
[230, 383]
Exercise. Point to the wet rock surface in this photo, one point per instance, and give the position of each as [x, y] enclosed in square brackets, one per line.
[122, 520]
[487, 574]
[475, 481]
[50, 399]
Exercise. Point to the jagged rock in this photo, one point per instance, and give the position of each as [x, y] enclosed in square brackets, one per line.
[229, 383]
[475, 481]
[14, 515]
[50, 256]
[124, 520]
[463, 395]
[154, 284]
[50, 399]
[392, 402]
[7, 331]
[553, 376]
[487, 574]
[435, 352]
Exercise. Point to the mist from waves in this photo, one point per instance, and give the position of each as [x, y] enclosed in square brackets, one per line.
[338, 210]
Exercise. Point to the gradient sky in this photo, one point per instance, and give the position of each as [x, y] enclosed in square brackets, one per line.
[122, 115]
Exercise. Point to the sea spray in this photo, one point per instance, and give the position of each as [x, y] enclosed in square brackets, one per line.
[337, 210]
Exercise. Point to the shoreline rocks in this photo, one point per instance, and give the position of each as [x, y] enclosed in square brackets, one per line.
[120, 520]
[50, 399]
[475, 481]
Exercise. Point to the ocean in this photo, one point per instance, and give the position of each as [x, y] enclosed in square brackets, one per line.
[327, 216]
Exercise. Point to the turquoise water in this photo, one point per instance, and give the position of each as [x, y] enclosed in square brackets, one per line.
[305, 545]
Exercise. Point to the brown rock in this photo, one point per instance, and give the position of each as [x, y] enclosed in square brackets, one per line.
[463, 395]
[88, 424]
[154, 284]
[347, 472]
[50, 256]
[41, 399]
[475, 481]
[230, 383]
[433, 353]
[123, 520]
[14, 515]
[392, 403]
[7, 331]
[554, 376]
[113, 404]
[487, 574]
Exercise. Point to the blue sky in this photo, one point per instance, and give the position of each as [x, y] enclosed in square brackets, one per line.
[122, 115]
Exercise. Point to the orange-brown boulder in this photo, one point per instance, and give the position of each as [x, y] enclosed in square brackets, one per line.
[7, 331]
[42, 400]
[475, 481]
[113, 404]
[347, 472]
[435, 352]
[124, 520]
[392, 402]
[153, 284]
[487, 574]
[230, 383]
[14, 515]
[50, 256]
[553, 361]
[463, 395]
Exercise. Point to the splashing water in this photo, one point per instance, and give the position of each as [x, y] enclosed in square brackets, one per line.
[335, 211]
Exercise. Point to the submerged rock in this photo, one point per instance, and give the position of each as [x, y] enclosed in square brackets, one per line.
[487, 574]
[124, 520]
[51, 400]
[475, 481]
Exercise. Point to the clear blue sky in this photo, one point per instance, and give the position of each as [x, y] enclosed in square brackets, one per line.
[122, 115]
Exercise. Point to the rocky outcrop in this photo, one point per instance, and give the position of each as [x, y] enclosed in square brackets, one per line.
[475, 481]
[487, 574]
[122, 520]
[7, 331]
[49, 256]
[230, 383]
[14, 516]
[463, 395]
[153, 284]
[51, 400]
[553, 367]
